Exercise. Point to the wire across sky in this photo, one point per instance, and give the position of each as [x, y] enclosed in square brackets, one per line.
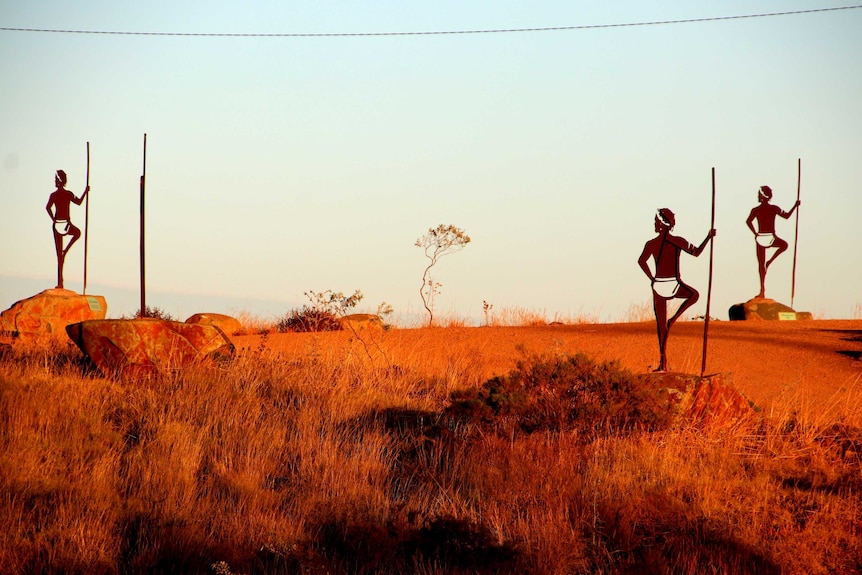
[433, 32]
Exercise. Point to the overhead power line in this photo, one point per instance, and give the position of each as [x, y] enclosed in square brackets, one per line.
[429, 33]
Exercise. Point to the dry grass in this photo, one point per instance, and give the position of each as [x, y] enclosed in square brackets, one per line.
[253, 325]
[452, 320]
[523, 317]
[639, 312]
[334, 463]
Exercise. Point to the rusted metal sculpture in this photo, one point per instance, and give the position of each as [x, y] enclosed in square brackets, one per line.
[58, 207]
[764, 233]
[665, 249]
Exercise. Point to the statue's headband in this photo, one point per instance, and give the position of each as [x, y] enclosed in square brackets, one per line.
[666, 217]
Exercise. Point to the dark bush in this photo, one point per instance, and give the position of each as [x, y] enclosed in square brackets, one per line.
[562, 393]
[308, 319]
[451, 545]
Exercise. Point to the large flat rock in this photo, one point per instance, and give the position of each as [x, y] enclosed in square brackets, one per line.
[142, 347]
[49, 312]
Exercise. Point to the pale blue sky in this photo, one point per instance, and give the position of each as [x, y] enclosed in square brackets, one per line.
[281, 165]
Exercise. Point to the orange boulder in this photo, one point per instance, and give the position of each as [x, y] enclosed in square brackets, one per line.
[49, 312]
[141, 347]
[702, 402]
[226, 323]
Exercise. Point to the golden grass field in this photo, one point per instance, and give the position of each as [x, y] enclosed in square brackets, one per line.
[337, 453]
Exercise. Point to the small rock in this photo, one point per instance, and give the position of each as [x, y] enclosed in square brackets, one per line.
[360, 321]
[765, 309]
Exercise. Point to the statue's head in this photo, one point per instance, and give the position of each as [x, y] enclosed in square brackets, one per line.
[60, 178]
[764, 193]
[666, 218]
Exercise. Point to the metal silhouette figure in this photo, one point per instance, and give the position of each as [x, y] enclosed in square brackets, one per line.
[58, 207]
[764, 234]
[665, 250]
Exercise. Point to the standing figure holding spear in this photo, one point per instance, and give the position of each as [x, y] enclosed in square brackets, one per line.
[58, 207]
[665, 250]
[764, 234]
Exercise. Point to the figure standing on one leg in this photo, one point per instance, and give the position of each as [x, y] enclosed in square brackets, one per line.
[764, 234]
[665, 249]
[58, 209]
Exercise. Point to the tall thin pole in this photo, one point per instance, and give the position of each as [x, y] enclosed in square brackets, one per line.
[709, 289]
[796, 235]
[143, 310]
[86, 218]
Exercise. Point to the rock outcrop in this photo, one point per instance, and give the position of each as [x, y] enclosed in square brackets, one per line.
[702, 402]
[144, 347]
[226, 323]
[49, 312]
[759, 308]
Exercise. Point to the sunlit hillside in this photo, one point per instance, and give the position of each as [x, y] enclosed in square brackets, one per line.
[359, 458]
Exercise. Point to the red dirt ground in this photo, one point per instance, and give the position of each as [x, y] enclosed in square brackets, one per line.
[815, 364]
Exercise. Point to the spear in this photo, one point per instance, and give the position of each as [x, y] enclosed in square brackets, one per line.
[709, 289]
[796, 235]
[143, 311]
[86, 218]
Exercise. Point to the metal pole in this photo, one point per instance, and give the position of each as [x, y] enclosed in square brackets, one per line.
[143, 310]
[86, 218]
[796, 235]
[709, 289]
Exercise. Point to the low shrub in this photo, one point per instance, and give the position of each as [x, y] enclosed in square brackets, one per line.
[323, 313]
[571, 393]
[308, 319]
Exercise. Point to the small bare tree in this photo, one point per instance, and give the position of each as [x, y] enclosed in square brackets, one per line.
[437, 243]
